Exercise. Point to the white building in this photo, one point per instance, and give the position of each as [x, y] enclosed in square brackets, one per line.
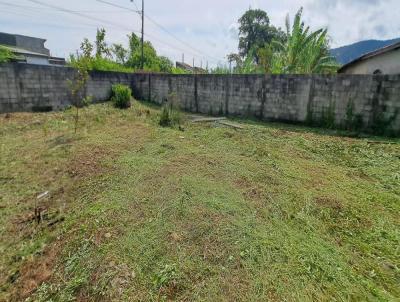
[385, 60]
[29, 50]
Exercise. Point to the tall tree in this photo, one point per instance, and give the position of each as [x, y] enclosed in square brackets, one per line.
[255, 31]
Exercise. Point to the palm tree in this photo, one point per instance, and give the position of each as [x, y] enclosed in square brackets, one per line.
[303, 52]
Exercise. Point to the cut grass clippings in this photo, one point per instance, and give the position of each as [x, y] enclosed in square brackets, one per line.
[266, 213]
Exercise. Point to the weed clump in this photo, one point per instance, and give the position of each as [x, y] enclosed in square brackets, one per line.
[121, 96]
[170, 115]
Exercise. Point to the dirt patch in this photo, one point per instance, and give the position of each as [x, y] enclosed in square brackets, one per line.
[361, 175]
[329, 202]
[89, 163]
[251, 191]
[33, 273]
[39, 268]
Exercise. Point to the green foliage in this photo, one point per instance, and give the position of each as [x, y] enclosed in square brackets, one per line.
[231, 212]
[303, 52]
[120, 53]
[103, 64]
[97, 62]
[171, 115]
[78, 88]
[353, 122]
[152, 62]
[86, 48]
[265, 49]
[102, 48]
[165, 276]
[328, 117]
[117, 58]
[78, 84]
[382, 123]
[5, 55]
[221, 69]
[255, 31]
[121, 96]
[325, 120]
[165, 64]
[177, 70]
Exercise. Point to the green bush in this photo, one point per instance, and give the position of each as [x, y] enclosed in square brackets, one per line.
[5, 54]
[121, 96]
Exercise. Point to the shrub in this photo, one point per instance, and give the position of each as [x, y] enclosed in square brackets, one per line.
[170, 114]
[121, 96]
[5, 54]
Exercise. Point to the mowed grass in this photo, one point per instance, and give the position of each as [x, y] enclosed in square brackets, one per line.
[137, 212]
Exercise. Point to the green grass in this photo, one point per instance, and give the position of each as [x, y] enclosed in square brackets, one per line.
[268, 213]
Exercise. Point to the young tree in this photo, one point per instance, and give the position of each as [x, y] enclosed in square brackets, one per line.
[78, 87]
[134, 43]
[255, 31]
[87, 48]
[120, 53]
[101, 45]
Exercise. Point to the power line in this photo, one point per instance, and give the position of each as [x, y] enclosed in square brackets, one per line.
[151, 36]
[65, 10]
[161, 27]
[38, 8]
[15, 13]
[138, 11]
[178, 39]
[134, 3]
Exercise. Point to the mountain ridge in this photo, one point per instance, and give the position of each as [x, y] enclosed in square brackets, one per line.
[346, 54]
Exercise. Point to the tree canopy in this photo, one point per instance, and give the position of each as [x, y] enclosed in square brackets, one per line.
[115, 57]
[263, 48]
[255, 31]
[304, 51]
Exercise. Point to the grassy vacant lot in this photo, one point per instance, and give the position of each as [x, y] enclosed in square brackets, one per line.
[137, 212]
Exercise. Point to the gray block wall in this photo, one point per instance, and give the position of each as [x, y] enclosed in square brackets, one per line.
[288, 98]
[375, 100]
[25, 87]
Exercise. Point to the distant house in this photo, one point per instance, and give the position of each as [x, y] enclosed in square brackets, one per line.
[189, 68]
[385, 60]
[29, 50]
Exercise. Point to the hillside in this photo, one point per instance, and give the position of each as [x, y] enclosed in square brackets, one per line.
[348, 53]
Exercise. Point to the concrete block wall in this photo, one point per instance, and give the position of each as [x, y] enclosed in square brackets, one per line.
[289, 98]
[25, 87]
[100, 83]
[28, 87]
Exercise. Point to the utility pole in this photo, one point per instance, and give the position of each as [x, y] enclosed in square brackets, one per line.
[142, 64]
[142, 14]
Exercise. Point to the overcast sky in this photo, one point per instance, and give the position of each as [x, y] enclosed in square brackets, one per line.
[205, 29]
